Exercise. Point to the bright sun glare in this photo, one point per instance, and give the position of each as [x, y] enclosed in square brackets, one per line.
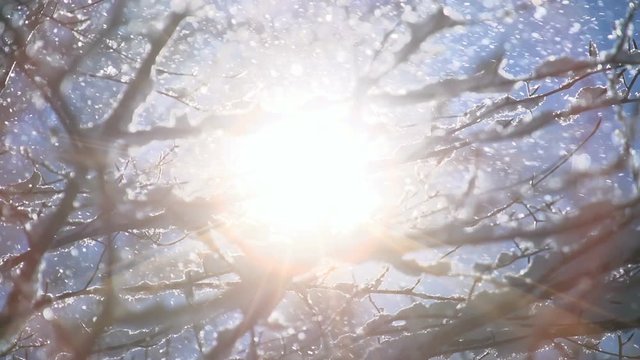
[307, 172]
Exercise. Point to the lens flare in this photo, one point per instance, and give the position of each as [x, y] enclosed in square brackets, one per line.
[307, 172]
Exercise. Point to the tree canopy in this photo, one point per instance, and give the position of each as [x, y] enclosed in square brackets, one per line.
[319, 179]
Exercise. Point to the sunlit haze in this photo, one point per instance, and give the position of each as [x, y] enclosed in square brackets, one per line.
[305, 171]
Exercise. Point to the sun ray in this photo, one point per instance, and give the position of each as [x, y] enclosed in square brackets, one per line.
[305, 174]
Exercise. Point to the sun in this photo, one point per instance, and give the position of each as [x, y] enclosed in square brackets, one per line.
[306, 172]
